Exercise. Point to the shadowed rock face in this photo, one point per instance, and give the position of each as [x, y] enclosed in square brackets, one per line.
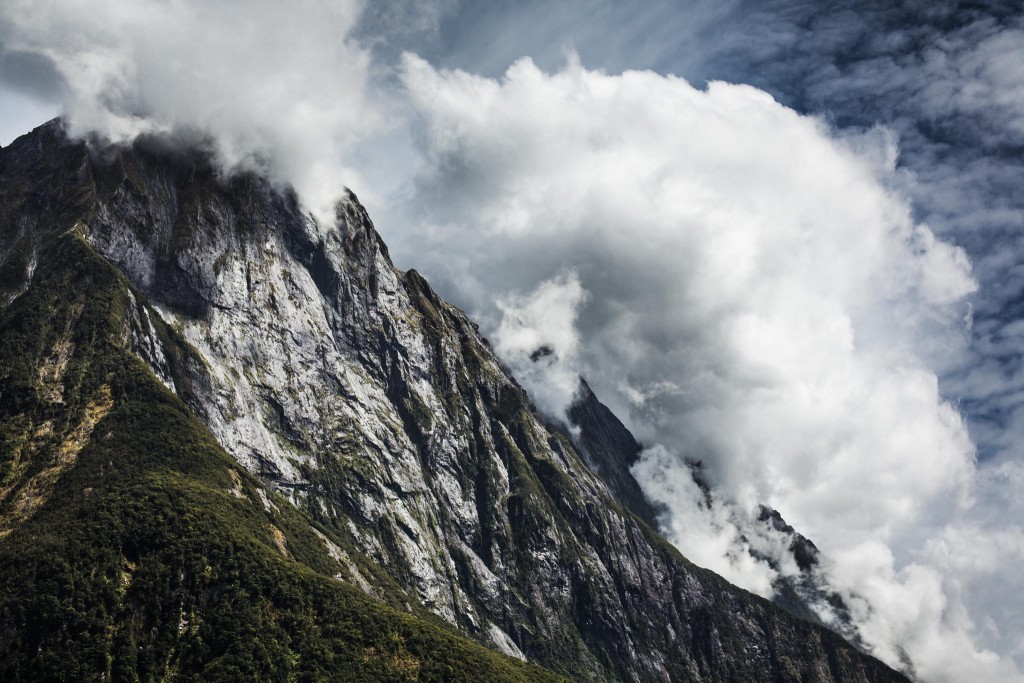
[379, 411]
[610, 450]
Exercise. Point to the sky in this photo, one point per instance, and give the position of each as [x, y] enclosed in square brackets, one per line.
[781, 238]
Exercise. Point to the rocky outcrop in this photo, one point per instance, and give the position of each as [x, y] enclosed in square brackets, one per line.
[378, 409]
[610, 450]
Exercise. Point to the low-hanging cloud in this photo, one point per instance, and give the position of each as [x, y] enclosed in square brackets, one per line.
[760, 299]
[537, 337]
[278, 87]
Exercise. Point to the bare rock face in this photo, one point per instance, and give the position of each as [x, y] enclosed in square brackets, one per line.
[610, 450]
[378, 409]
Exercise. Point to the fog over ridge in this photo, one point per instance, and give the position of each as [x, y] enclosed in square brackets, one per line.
[276, 88]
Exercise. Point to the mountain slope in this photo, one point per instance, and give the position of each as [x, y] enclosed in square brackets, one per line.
[379, 411]
[610, 450]
[135, 548]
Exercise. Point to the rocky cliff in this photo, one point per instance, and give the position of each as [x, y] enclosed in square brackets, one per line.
[354, 392]
[610, 450]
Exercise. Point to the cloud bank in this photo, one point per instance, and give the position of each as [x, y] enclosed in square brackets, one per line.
[759, 298]
[949, 79]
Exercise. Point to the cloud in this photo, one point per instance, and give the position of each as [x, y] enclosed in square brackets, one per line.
[760, 298]
[537, 337]
[947, 77]
[282, 88]
[708, 529]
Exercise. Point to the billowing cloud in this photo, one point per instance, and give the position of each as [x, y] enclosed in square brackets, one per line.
[279, 87]
[761, 299]
[537, 337]
[948, 77]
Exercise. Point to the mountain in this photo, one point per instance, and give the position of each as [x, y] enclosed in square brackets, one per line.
[238, 442]
[611, 450]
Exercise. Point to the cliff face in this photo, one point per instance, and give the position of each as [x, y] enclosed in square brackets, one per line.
[610, 450]
[377, 409]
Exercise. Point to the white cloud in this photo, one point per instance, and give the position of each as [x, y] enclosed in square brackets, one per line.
[760, 299]
[706, 529]
[537, 337]
[281, 87]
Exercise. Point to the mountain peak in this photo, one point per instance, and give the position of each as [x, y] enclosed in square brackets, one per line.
[275, 383]
[610, 450]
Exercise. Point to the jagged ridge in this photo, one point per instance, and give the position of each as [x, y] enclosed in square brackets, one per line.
[377, 408]
[133, 547]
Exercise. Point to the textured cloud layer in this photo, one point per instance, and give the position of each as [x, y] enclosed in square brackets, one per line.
[758, 298]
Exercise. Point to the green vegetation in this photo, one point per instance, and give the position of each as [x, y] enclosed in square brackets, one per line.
[134, 548]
